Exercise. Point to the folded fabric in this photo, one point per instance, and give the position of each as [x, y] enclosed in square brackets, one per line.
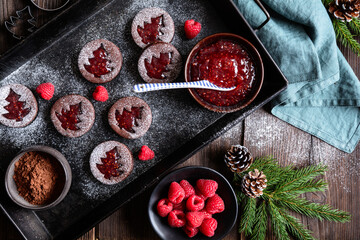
[323, 96]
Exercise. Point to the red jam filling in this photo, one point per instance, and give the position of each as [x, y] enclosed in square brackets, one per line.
[127, 120]
[16, 109]
[99, 64]
[110, 166]
[70, 119]
[158, 66]
[151, 31]
[224, 63]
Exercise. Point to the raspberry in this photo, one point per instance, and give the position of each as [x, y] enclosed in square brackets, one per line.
[46, 90]
[164, 206]
[206, 214]
[190, 231]
[208, 227]
[215, 204]
[100, 94]
[198, 193]
[207, 187]
[194, 219]
[192, 28]
[146, 153]
[176, 218]
[176, 193]
[195, 203]
[189, 190]
[180, 206]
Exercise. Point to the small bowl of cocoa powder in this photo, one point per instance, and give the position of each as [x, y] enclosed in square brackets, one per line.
[38, 178]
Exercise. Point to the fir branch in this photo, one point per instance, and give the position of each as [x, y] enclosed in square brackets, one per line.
[326, 3]
[310, 186]
[260, 226]
[344, 35]
[248, 215]
[300, 176]
[355, 26]
[295, 227]
[277, 221]
[314, 210]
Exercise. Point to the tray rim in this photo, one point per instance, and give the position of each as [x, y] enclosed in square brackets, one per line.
[164, 166]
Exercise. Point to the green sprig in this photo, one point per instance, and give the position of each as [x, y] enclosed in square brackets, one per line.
[284, 187]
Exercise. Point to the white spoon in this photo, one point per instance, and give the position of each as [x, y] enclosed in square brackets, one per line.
[204, 84]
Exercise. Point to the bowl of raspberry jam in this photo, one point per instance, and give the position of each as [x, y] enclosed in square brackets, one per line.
[226, 60]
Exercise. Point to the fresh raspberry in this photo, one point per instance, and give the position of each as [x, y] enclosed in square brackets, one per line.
[100, 94]
[46, 90]
[176, 193]
[189, 190]
[180, 206]
[194, 219]
[206, 214]
[208, 227]
[195, 203]
[146, 153]
[198, 193]
[190, 231]
[176, 218]
[192, 28]
[164, 206]
[215, 204]
[207, 187]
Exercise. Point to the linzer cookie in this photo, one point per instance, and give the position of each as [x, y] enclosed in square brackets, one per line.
[73, 115]
[152, 25]
[100, 61]
[18, 106]
[111, 162]
[130, 117]
[161, 62]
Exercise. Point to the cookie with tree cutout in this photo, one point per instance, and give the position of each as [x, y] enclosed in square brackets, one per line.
[73, 115]
[152, 25]
[100, 61]
[18, 106]
[130, 117]
[159, 63]
[111, 162]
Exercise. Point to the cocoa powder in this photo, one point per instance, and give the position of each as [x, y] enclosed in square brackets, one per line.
[39, 177]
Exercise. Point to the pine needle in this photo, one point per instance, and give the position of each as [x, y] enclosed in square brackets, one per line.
[355, 26]
[259, 231]
[248, 216]
[295, 227]
[277, 222]
[344, 35]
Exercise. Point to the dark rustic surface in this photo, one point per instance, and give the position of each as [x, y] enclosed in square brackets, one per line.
[263, 134]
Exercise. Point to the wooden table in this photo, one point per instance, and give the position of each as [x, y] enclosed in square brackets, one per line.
[263, 134]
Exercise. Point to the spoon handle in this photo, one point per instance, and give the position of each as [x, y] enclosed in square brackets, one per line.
[204, 84]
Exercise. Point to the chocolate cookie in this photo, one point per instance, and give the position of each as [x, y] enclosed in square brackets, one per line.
[130, 117]
[161, 62]
[18, 106]
[152, 25]
[100, 61]
[111, 162]
[73, 115]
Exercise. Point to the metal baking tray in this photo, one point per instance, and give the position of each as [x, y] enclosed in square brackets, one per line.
[50, 55]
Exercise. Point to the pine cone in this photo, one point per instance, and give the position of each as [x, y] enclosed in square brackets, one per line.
[345, 9]
[254, 183]
[238, 158]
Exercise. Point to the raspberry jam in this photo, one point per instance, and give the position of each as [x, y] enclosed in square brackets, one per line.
[224, 63]
[69, 119]
[99, 64]
[127, 120]
[151, 31]
[110, 166]
[16, 109]
[158, 66]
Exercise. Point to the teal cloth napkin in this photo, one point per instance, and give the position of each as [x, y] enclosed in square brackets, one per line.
[323, 96]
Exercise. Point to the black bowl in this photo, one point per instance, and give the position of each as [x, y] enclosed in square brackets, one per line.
[226, 219]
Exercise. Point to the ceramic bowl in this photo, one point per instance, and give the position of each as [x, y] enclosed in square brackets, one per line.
[253, 53]
[11, 187]
[225, 219]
